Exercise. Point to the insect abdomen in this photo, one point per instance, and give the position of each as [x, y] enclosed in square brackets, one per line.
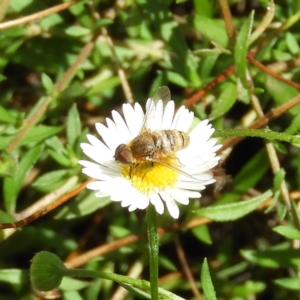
[170, 140]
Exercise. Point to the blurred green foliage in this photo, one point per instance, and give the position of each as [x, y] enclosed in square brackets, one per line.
[181, 44]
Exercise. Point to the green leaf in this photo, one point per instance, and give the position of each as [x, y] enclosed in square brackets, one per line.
[206, 282]
[72, 295]
[233, 211]
[232, 270]
[214, 30]
[241, 49]
[74, 90]
[84, 204]
[202, 233]
[6, 117]
[55, 144]
[50, 181]
[47, 83]
[281, 93]
[279, 177]
[118, 232]
[71, 284]
[289, 283]
[288, 231]
[211, 52]
[177, 79]
[50, 21]
[225, 101]
[60, 158]
[295, 141]
[13, 276]
[103, 22]
[18, 6]
[82, 14]
[273, 258]
[58, 152]
[77, 31]
[12, 185]
[2, 78]
[167, 263]
[40, 133]
[8, 165]
[292, 43]
[73, 126]
[5, 217]
[257, 167]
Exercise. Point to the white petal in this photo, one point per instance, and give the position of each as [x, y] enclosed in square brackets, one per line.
[121, 126]
[108, 136]
[131, 208]
[94, 185]
[183, 119]
[143, 202]
[159, 111]
[201, 132]
[116, 137]
[110, 185]
[173, 209]
[102, 194]
[95, 155]
[193, 186]
[156, 201]
[154, 114]
[98, 173]
[138, 200]
[150, 114]
[122, 194]
[103, 150]
[168, 115]
[133, 120]
[177, 116]
[182, 196]
[171, 205]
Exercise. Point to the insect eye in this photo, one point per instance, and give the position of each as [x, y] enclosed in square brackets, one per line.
[123, 155]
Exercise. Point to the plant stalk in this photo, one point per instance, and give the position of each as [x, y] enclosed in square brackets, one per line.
[153, 250]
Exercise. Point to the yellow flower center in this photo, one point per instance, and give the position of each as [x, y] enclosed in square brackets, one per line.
[149, 176]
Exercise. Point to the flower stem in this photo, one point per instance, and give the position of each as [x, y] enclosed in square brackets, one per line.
[264, 133]
[153, 250]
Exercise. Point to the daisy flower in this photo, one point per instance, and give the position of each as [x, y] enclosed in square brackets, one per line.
[180, 175]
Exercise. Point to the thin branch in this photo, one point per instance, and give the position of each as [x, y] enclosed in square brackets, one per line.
[36, 16]
[263, 121]
[272, 73]
[47, 208]
[266, 21]
[228, 21]
[186, 269]
[221, 77]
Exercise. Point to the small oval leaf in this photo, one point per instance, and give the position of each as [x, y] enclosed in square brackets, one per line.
[225, 101]
[233, 211]
[288, 232]
[207, 285]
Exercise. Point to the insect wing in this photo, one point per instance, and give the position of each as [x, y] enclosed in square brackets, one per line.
[173, 167]
[155, 107]
[163, 93]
